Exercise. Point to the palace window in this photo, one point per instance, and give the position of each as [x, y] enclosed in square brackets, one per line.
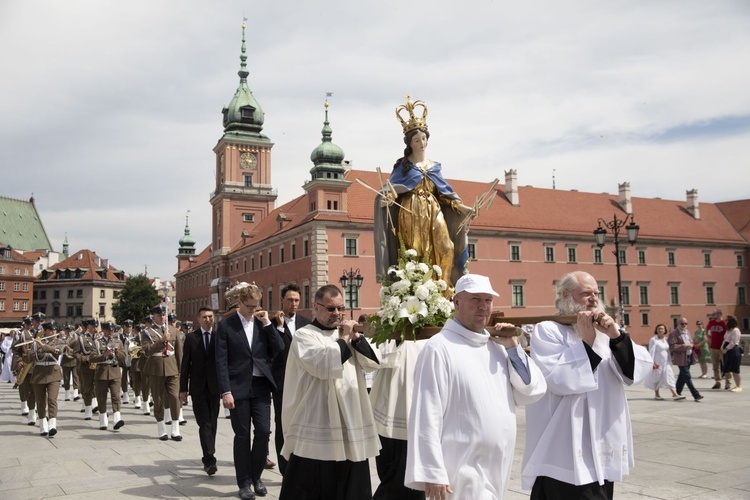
[515, 252]
[597, 255]
[549, 254]
[351, 246]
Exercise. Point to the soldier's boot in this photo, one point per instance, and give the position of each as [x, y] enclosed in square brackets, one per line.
[52, 427]
[43, 428]
[161, 430]
[117, 419]
[88, 412]
[24, 408]
[137, 403]
[32, 417]
[182, 418]
[103, 423]
[176, 436]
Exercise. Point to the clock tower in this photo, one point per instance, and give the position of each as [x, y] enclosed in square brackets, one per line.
[244, 195]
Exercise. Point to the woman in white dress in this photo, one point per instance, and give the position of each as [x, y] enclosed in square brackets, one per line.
[7, 373]
[662, 375]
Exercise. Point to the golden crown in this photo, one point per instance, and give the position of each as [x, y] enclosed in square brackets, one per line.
[413, 122]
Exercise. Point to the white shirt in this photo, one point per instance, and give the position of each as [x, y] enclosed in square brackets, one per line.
[462, 425]
[579, 432]
[249, 328]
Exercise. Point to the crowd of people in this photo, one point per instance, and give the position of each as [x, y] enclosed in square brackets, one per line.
[440, 421]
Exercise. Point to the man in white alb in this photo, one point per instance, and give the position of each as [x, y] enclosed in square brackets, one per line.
[462, 425]
[329, 431]
[578, 436]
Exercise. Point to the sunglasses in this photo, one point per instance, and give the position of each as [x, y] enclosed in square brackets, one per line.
[331, 309]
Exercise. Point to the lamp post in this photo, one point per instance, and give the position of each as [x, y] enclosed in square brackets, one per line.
[600, 233]
[352, 281]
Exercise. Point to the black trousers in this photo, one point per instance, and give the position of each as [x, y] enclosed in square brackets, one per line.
[546, 488]
[206, 411]
[254, 412]
[278, 434]
[391, 465]
[310, 479]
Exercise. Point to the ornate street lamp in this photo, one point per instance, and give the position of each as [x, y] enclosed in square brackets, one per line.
[600, 233]
[352, 281]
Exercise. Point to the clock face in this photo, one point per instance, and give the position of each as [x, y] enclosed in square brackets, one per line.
[248, 161]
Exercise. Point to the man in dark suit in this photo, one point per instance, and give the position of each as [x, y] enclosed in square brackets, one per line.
[287, 321]
[246, 342]
[199, 379]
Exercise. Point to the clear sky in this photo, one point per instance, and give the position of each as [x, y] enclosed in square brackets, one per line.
[109, 110]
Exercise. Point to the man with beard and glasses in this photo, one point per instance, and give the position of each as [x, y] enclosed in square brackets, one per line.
[578, 436]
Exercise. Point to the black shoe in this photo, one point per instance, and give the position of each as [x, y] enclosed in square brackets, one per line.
[103, 428]
[210, 469]
[177, 437]
[183, 422]
[698, 398]
[31, 423]
[119, 424]
[76, 398]
[26, 414]
[67, 399]
[83, 410]
[95, 410]
[260, 488]
[246, 493]
[164, 438]
[717, 385]
[52, 432]
[87, 418]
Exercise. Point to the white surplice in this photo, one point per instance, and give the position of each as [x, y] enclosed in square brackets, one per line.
[326, 409]
[393, 385]
[462, 426]
[579, 432]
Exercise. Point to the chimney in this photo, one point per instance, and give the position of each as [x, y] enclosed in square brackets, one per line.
[625, 202]
[692, 204]
[511, 187]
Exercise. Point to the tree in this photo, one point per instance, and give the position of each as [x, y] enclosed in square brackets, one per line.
[136, 299]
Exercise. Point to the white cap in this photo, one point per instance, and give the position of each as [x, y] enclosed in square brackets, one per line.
[475, 283]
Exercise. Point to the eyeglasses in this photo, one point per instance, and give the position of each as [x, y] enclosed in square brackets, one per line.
[683, 324]
[331, 309]
[252, 307]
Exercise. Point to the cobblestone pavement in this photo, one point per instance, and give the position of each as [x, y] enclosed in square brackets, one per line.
[685, 449]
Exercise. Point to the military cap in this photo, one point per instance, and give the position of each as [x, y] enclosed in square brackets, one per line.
[50, 325]
[149, 319]
[188, 325]
[68, 328]
[158, 310]
[108, 325]
[172, 317]
[127, 322]
[91, 322]
[39, 316]
[27, 320]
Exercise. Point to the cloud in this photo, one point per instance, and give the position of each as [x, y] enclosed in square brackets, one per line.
[109, 111]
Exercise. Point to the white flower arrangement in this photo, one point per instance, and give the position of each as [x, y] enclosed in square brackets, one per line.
[412, 296]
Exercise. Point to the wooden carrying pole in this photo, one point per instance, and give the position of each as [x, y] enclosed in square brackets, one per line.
[496, 317]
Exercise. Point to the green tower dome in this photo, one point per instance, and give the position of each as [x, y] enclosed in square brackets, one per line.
[327, 157]
[243, 115]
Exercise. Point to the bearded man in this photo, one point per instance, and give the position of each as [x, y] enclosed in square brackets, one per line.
[579, 438]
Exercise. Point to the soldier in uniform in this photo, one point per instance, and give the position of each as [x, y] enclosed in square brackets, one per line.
[127, 378]
[143, 339]
[25, 390]
[83, 347]
[44, 353]
[69, 365]
[161, 346]
[108, 356]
